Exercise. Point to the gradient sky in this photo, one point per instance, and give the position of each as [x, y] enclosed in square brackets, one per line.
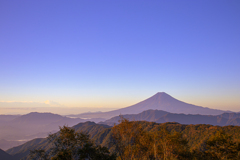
[115, 53]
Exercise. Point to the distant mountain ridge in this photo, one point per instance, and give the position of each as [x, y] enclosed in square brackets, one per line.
[159, 116]
[22, 151]
[15, 130]
[101, 134]
[37, 125]
[159, 101]
[5, 156]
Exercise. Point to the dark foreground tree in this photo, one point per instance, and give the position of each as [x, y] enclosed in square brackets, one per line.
[70, 145]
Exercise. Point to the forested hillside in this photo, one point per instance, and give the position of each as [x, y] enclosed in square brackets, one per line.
[139, 137]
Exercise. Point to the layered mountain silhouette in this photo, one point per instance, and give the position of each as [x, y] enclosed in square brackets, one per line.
[5, 156]
[159, 101]
[163, 117]
[23, 150]
[102, 134]
[17, 130]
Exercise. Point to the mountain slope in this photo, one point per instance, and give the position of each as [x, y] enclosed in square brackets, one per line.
[33, 125]
[23, 150]
[195, 134]
[162, 117]
[5, 156]
[160, 101]
[90, 127]
[5, 118]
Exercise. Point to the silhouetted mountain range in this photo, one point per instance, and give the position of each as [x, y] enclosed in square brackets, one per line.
[5, 118]
[162, 117]
[17, 130]
[5, 156]
[101, 134]
[23, 150]
[159, 101]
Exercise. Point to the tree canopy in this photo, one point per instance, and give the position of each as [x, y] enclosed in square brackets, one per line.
[140, 140]
[70, 145]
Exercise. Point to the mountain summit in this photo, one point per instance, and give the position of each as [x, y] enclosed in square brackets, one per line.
[159, 101]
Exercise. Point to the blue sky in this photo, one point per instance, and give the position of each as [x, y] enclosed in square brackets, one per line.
[114, 54]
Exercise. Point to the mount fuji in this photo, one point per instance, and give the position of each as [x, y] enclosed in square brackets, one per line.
[160, 101]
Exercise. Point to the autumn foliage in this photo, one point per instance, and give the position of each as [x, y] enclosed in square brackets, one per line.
[133, 142]
[140, 140]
